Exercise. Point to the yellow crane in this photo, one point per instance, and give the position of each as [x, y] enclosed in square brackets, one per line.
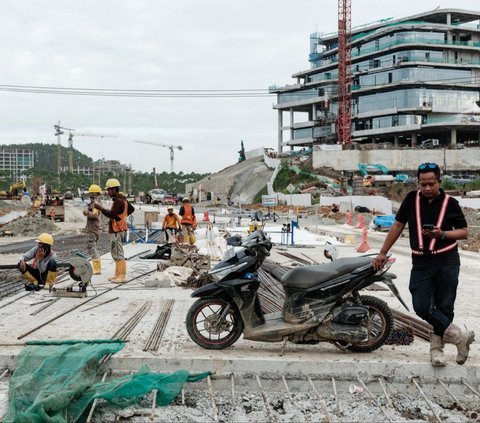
[171, 147]
[60, 130]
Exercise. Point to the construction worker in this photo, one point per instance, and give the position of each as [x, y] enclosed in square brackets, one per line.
[93, 227]
[171, 224]
[117, 226]
[39, 265]
[189, 221]
[435, 223]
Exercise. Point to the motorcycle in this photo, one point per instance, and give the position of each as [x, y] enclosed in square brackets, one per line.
[322, 302]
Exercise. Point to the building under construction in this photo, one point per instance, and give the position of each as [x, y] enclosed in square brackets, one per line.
[413, 80]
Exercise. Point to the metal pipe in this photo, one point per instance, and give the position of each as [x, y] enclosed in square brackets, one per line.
[234, 402]
[154, 404]
[94, 404]
[337, 404]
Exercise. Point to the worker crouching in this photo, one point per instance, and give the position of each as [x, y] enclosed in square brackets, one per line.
[117, 226]
[39, 265]
[188, 221]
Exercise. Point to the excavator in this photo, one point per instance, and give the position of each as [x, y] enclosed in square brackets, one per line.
[378, 174]
[14, 192]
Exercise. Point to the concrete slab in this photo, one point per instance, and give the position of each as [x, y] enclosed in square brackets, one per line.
[178, 351]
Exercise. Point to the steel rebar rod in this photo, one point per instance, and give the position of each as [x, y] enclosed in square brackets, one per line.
[42, 302]
[374, 399]
[212, 399]
[44, 307]
[154, 404]
[426, 400]
[94, 403]
[337, 404]
[100, 304]
[473, 390]
[320, 399]
[3, 374]
[234, 402]
[387, 395]
[16, 299]
[78, 305]
[453, 396]
[265, 400]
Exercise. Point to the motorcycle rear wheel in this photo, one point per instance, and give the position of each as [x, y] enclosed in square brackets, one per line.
[204, 326]
[381, 325]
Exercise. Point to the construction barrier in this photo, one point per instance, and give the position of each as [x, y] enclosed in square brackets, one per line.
[349, 218]
[360, 222]
[364, 247]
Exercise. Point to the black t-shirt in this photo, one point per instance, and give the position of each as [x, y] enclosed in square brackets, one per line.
[429, 211]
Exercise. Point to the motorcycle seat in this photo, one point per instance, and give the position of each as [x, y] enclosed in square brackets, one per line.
[308, 276]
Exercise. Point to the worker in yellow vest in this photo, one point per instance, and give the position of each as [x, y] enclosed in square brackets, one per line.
[189, 221]
[117, 226]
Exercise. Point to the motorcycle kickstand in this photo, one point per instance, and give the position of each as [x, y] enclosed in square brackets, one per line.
[285, 340]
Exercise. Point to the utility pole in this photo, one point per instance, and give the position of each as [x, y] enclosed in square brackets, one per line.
[58, 133]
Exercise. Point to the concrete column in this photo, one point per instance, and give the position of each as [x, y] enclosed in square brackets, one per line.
[414, 139]
[395, 140]
[291, 125]
[280, 131]
[449, 19]
[453, 137]
[314, 111]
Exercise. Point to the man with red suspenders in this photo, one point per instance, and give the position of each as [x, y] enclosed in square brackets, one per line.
[117, 226]
[435, 223]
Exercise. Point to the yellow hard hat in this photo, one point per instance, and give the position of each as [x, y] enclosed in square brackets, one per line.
[112, 183]
[45, 239]
[95, 189]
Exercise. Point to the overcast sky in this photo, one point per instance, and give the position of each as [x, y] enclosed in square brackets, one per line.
[154, 44]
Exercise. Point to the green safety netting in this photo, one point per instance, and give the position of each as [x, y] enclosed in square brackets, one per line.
[54, 382]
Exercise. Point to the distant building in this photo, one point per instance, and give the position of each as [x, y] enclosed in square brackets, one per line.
[16, 161]
[413, 79]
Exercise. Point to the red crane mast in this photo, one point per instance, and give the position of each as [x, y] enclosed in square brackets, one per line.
[345, 73]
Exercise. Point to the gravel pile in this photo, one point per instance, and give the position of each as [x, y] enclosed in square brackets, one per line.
[30, 226]
[298, 407]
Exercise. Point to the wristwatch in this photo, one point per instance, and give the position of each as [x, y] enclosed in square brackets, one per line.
[443, 235]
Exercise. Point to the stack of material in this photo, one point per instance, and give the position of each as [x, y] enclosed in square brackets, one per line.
[187, 256]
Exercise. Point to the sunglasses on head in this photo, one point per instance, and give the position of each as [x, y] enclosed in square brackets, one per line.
[424, 166]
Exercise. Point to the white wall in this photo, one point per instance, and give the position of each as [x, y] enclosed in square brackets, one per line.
[350, 202]
[398, 160]
[296, 199]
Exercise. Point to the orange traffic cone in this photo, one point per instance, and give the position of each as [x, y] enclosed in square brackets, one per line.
[360, 222]
[363, 247]
[349, 218]
[205, 216]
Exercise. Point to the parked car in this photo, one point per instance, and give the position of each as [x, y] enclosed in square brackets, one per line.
[155, 196]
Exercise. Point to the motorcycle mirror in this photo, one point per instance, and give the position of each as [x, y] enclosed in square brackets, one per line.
[258, 216]
[330, 252]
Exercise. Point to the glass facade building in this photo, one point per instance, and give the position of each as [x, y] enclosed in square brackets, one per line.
[16, 161]
[412, 79]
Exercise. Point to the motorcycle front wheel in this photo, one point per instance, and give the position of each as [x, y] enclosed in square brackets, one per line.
[380, 325]
[207, 328]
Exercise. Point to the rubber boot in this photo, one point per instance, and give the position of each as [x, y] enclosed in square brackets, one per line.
[97, 266]
[115, 276]
[51, 279]
[32, 283]
[436, 350]
[122, 272]
[454, 335]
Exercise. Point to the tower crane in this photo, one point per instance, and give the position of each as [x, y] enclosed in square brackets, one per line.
[60, 130]
[171, 147]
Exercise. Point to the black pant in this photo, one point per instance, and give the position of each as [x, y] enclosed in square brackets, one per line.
[40, 277]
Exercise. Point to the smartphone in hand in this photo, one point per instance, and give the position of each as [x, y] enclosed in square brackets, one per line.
[428, 226]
